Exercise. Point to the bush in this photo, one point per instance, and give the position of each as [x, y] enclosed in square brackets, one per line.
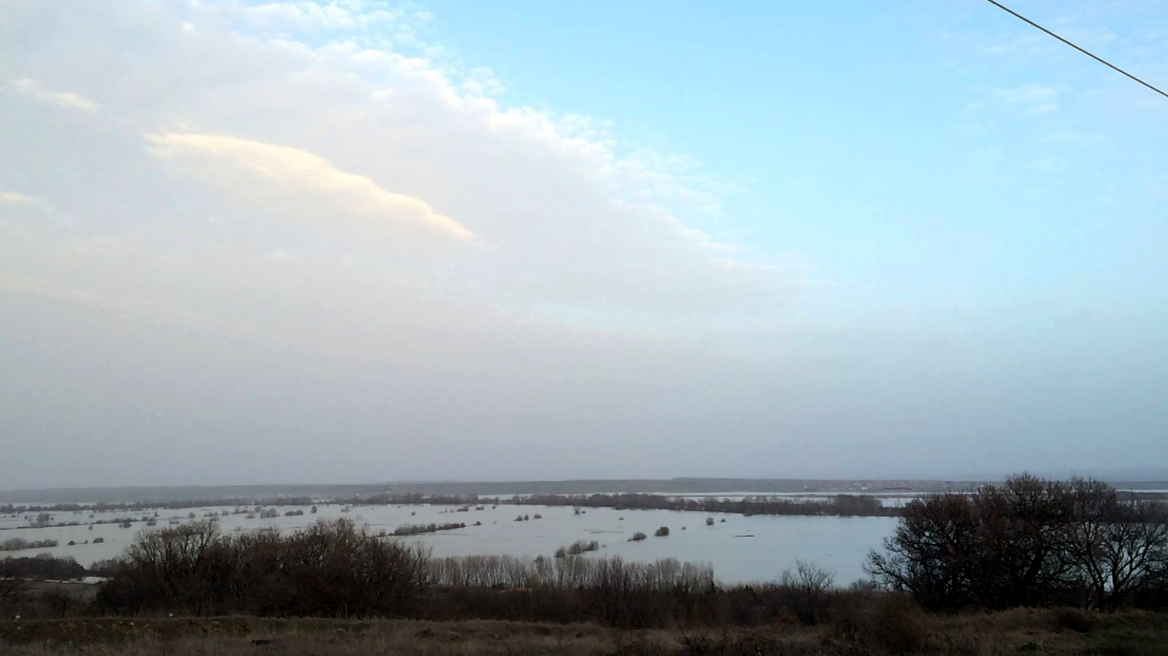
[42, 566]
[638, 536]
[576, 548]
[662, 532]
[709, 521]
[888, 625]
[1027, 542]
[1075, 620]
[329, 569]
[806, 590]
[20, 544]
[418, 529]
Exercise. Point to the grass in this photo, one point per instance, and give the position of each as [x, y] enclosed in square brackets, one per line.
[878, 632]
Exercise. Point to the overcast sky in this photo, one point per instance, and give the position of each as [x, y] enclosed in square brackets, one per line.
[358, 242]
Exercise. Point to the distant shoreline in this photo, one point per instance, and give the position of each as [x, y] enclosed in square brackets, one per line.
[675, 486]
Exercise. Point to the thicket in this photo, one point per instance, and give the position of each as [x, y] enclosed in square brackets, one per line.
[1028, 542]
[330, 569]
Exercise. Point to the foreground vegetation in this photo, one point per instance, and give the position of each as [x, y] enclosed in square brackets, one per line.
[1029, 542]
[879, 631]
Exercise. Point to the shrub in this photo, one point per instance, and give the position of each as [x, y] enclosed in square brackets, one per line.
[1027, 542]
[662, 532]
[638, 536]
[330, 569]
[889, 625]
[709, 521]
[806, 590]
[20, 544]
[418, 529]
[1075, 620]
[578, 547]
[42, 566]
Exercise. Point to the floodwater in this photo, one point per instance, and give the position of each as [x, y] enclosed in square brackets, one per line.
[740, 549]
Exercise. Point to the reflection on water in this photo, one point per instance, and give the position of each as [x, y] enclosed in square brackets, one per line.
[740, 549]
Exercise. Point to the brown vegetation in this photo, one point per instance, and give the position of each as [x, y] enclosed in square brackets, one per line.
[1028, 542]
[328, 569]
[887, 630]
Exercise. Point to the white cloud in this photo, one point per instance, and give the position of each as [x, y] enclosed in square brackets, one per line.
[388, 240]
[17, 198]
[265, 113]
[302, 181]
[67, 99]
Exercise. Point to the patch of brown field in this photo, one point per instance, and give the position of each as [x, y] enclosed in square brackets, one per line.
[879, 632]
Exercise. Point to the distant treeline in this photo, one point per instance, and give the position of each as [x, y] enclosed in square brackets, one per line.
[855, 505]
[11, 509]
[842, 505]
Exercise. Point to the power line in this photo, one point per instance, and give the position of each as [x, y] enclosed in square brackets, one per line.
[1098, 59]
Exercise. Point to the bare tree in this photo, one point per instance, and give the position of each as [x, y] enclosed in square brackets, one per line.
[806, 589]
[1117, 546]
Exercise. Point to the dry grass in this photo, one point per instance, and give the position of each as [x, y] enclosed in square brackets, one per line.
[874, 632]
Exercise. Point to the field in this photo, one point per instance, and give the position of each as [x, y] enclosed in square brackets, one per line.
[1066, 632]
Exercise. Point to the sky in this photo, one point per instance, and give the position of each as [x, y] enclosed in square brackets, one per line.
[359, 241]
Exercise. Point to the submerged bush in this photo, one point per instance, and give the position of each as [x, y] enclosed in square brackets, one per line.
[576, 548]
[419, 529]
[20, 544]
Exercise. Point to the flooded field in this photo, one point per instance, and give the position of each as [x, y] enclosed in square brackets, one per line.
[740, 549]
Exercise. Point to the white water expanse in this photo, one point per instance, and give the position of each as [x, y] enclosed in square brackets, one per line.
[740, 549]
